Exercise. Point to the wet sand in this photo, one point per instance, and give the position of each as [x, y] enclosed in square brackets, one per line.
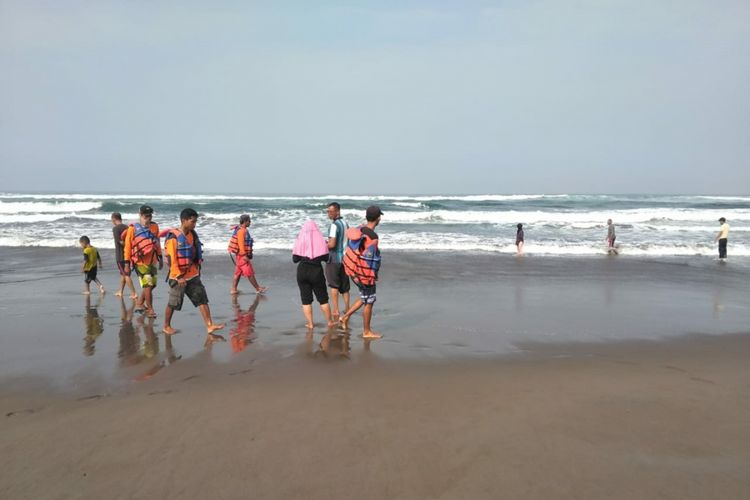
[535, 378]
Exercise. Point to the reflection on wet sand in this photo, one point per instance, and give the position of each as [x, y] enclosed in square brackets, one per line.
[94, 325]
[128, 338]
[334, 343]
[243, 332]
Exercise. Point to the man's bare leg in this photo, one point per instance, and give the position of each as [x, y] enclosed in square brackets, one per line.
[344, 320]
[129, 282]
[254, 282]
[167, 329]
[236, 282]
[334, 293]
[118, 293]
[147, 302]
[367, 333]
[346, 300]
[206, 313]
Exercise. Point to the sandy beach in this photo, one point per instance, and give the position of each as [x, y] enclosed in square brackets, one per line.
[497, 377]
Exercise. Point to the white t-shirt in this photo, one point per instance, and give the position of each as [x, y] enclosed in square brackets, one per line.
[724, 231]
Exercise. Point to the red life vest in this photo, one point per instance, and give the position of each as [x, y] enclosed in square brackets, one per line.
[361, 258]
[144, 242]
[234, 246]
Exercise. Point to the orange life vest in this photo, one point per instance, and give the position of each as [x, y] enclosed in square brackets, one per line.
[187, 253]
[144, 242]
[234, 246]
[361, 258]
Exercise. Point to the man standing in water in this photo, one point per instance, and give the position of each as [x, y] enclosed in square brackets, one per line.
[337, 279]
[117, 231]
[362, 264]
[611, 238]
[142, 248]
[184, 256]
[722, 238]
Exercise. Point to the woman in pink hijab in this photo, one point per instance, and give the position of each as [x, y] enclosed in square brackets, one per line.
[309, 252]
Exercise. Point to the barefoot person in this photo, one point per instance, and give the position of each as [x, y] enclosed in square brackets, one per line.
[91, 262]
[309, 252]
[117, 233]
[722, 238]
[519, 239]
[362, 262]
[184, 257]
[142, 251]
[611, 238]
[338, 281]
[241, 249]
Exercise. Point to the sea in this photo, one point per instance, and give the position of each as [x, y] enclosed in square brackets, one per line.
[554, 224]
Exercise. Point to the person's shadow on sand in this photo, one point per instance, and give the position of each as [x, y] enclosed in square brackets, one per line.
[94, 325]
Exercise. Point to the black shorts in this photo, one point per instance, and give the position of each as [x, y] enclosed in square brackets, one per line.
[90, 275]
[310, 278]
[367, 293]
[194, 289]
[336, 277]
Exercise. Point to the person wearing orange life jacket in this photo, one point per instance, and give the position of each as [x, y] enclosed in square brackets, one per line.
[361, 263]
[241, 247]
[141, 249]
[184, 254]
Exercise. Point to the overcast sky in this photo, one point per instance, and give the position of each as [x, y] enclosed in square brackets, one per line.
[373, 97]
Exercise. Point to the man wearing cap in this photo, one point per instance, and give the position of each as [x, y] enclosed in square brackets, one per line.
[143, 249]
[722, 238]
[337, 279]
[367, 295]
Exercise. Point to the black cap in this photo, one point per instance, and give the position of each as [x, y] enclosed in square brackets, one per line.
[373, 212]
[146, 210]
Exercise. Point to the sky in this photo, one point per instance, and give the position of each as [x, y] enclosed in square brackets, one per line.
[381, 97]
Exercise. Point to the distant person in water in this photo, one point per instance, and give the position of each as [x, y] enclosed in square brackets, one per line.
[184, 257]
[519, 239]
[362, 263]
[611, 238]
[722, 238]
[309, 252]
[91, 262]
[338, 281]
[142, 249]
[241, 248]
[117, 233]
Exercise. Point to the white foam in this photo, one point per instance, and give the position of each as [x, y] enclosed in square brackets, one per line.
[12, 207]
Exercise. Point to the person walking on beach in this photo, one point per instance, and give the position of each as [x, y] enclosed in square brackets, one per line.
[337, 279]
[309, 252]
[142, 250]
[117, 231]
[362, 263]
[519, 239]
[241, 249]
[722, 238]
[91, 262]
[611, 238]
[184, 256]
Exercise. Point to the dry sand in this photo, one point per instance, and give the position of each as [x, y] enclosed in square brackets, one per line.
[629, 420]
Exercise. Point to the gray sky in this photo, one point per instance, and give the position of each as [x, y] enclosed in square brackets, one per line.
[376, 97]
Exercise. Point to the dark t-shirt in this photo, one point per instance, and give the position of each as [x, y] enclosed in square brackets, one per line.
[369, 233]
[519, 236]
[117, 233]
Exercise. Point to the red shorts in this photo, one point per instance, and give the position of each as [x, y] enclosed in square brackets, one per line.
[243, 268]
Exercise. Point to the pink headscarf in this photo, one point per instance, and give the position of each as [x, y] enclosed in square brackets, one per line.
[310, 242]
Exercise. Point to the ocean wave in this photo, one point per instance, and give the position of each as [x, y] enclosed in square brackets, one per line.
[11, 207]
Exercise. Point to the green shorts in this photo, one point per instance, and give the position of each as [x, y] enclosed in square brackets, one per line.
[146, 275]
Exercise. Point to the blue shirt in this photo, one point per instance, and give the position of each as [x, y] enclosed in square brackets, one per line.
[338, 231]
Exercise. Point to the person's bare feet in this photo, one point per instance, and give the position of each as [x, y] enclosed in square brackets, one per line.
[118, 294]
[344, 323]
[86, 292]
[234, 291]
[261, 289]
[168, 330]
[101, 289]
[133, 296]
[371, 335]
[150, 313]
[212, 328]
[309, 326]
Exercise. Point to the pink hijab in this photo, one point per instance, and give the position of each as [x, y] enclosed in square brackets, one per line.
[310, 242]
